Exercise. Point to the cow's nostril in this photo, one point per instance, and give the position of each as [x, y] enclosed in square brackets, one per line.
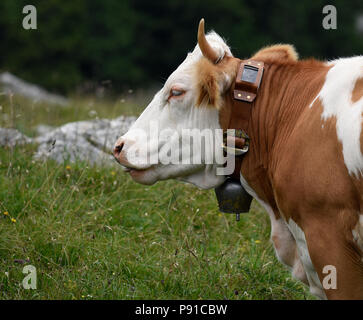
[118, 149]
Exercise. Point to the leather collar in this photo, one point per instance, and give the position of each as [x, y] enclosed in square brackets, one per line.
[244, 93]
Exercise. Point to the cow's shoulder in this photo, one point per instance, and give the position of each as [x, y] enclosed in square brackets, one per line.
[322, 160]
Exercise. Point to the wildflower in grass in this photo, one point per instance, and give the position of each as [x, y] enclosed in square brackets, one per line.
[13, 220]
[6, 213]
[113, 173]
[68, 167]
[257, 241]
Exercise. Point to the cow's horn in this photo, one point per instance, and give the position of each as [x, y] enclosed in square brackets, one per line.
[204, 46]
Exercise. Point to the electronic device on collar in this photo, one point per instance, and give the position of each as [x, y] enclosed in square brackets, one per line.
[248, 80]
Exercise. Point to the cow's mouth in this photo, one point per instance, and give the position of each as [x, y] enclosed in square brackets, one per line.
[144, 176]
[127, 167]
[134, 170]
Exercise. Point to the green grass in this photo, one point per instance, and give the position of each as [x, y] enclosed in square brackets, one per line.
[92, 233]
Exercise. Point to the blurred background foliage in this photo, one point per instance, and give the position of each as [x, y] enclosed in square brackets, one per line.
[137, 44]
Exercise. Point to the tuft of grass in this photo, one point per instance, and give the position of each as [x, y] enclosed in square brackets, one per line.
[92, 233]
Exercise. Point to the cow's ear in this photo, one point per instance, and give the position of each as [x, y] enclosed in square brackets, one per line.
[207, 84]
[279, 52]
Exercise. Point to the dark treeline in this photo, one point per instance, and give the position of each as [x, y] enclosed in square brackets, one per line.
[138, 43]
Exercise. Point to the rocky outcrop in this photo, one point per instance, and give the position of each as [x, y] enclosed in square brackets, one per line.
[90, 141]
[12, 137]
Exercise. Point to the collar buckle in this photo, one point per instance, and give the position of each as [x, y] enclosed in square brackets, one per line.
[237, 138]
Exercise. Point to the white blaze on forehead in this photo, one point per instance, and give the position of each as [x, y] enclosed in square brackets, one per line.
[336, 98]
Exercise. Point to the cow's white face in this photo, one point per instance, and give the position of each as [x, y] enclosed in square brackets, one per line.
[155, 147]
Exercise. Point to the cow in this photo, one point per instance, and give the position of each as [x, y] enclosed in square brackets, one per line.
[304, 163]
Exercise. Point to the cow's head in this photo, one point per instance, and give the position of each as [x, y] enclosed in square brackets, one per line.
[193, 96]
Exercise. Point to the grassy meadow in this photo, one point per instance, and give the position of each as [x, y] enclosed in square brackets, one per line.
[92, 233]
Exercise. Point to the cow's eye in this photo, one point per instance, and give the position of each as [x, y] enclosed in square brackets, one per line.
[176, 92]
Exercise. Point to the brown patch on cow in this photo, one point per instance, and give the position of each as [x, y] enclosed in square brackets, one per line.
[212, 80]
[358, 90]
[207, 84]
[278, 52]
[282, 98]
[306, 158]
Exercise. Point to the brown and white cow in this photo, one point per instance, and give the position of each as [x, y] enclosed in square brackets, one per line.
[305, 160]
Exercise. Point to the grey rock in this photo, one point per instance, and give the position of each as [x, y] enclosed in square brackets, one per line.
[90, 141]
[12, 137]
[69, 147]
[105, 138]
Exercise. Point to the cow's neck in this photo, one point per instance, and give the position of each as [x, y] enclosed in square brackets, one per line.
[286, 91]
